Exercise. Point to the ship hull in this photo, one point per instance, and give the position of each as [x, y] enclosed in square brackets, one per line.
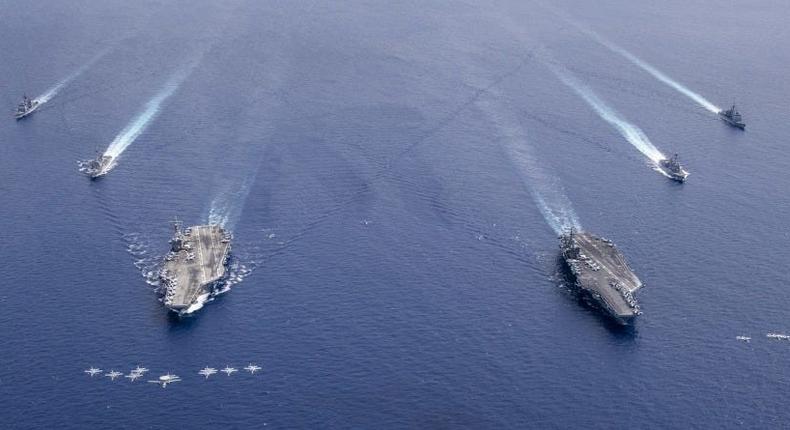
[204, 293]
[95, 169]
[19, 116]
[672, 175]
[732, 123]
[195, 268]
[601, 276]
[594, 300]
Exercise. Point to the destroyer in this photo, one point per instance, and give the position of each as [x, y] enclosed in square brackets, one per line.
[194, 267]
[672, 167]
[732, 117]
[97, 167]
[25, 107]
[602, 274]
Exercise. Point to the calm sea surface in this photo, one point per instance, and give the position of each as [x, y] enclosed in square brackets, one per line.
[395, 174]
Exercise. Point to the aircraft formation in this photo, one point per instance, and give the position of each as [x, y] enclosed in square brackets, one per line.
[168, 378]
[776, 336]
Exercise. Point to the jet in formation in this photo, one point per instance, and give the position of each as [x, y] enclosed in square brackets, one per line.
[93, 371]
[112, 374]
[207, 371]
[777, 336]
[743, 338]
[252, 368]
[166, 379]
[140, 370]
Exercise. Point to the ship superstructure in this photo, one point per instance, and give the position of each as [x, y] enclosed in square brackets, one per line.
[673, 169]
[195, 266]
[732, 117]
[97, 167]
[602, 274]
[26, 107]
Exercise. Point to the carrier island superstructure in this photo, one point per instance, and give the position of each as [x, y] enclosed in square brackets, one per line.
[195, 266]
[602, 274]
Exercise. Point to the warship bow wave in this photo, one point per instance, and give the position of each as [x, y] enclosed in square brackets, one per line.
[195, 266]
[97, 167]
[26, 107]
[602, 274]
[673, 169]
[732, 117]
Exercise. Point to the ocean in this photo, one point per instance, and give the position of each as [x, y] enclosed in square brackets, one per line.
[395, 175]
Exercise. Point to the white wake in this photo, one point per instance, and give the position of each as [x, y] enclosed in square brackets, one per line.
[52, 92]
[544, 187]
[633, 134]
[137, 126]
[661, 76]
[227, 205]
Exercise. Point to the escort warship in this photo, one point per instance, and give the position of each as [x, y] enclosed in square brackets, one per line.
[97, 167]
[26, 107]
[732, 117]
[673, 169]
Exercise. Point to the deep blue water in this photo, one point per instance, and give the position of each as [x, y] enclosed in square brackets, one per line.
[382, 166]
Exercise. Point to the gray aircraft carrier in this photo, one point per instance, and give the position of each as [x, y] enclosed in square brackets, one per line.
[194, 267]
[602, 273]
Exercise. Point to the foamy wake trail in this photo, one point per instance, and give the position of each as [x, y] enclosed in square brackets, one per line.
[546, 191]
[633, 134]
[661, 76]
[139, 247]
[558, 213]
[52, 92]
[228, 204]
[137, 126]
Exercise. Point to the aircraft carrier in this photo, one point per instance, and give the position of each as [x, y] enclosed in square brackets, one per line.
[602, 274]
[194, 267]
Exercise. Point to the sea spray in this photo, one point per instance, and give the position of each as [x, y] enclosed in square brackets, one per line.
[633, 134]
[52, 92]
[227, 205]
[558, 213]
[146, 261]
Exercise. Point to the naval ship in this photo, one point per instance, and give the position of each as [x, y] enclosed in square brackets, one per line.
[195, 266]
[601, 273]
[25, 107]
[672, 167]
[98, 166]
[732, 117]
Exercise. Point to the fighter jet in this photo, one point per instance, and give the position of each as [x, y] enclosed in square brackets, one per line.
[113, 374]
[133, 376]
[140, 370]
[93, 371]
[207, 371]
[166, 379]
[252, 368]
[743, 338]
[229, 370]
